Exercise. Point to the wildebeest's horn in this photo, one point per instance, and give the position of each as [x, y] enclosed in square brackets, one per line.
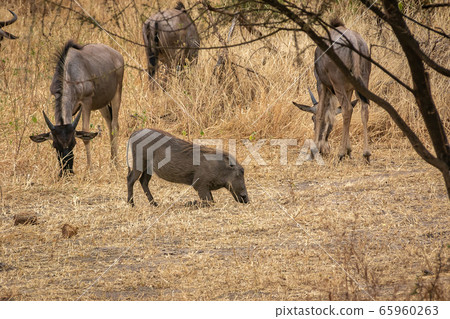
[77, 119]
[5, 23]
[313, 99]
[47, 120]
[306, 108]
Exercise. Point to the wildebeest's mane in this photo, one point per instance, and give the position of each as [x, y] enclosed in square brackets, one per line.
[336, 22]
[60, 58]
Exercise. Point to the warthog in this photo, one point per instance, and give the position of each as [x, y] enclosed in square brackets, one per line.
[3, 33]
[171, 37]
[88, 78]
[334, 90]
[179, 161]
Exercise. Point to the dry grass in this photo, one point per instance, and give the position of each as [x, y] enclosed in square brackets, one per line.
[385, 224]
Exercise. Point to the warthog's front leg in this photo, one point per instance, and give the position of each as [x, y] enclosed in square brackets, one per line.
[205, 195]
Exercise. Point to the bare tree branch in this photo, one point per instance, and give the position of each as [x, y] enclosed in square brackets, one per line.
[243, 22]
[435, 5]
[422, 91]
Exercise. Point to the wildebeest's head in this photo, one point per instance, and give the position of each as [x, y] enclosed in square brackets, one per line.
[327, 120]
[236, 181]
[63, 137]
[3, 33]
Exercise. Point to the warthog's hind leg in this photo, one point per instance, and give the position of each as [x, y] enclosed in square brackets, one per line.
[145, 179]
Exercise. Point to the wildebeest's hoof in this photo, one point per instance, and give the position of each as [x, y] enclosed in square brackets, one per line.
[367, 157]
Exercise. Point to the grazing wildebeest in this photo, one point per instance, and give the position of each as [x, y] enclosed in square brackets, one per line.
[170, 37]
[331, 84]
[3, 33]
[179, 161]
[88, 78]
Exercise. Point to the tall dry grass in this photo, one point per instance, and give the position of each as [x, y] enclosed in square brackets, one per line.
[239, 105]
[260, 254]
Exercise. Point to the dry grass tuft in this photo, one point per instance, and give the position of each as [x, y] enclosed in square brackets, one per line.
[69, 231]
[346, 231]
[25, 219]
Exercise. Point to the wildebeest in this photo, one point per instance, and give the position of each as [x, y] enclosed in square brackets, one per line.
[88, 78]
[331, 84]
[3, 33]
[179, 161]
[170, 37]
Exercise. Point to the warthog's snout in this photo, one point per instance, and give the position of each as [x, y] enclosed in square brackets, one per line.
[242, 198]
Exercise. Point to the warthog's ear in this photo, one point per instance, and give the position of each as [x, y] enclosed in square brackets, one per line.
[85, 136]
[41, 137]
[230, 161]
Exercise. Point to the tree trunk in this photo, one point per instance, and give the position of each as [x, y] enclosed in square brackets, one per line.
[446, 175]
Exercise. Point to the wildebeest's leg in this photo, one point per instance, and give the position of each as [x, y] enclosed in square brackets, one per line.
[86, 115]
[320, 126]
[107, 113]
[145, 179]
[132, 177]
[114, 132]
[365, 119]
[347, 110]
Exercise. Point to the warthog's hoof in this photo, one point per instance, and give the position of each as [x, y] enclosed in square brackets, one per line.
[154, 203]
[197, 204]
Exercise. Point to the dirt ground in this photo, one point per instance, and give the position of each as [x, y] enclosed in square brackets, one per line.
[342, 231]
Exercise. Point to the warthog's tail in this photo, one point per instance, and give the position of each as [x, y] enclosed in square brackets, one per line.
[129, 156]
[152, 53]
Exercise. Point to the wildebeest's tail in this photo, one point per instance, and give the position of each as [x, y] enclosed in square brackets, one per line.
[180, 6]
[358, 73]
[151, 50]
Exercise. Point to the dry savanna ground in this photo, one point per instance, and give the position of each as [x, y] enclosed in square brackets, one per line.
[341, 231]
